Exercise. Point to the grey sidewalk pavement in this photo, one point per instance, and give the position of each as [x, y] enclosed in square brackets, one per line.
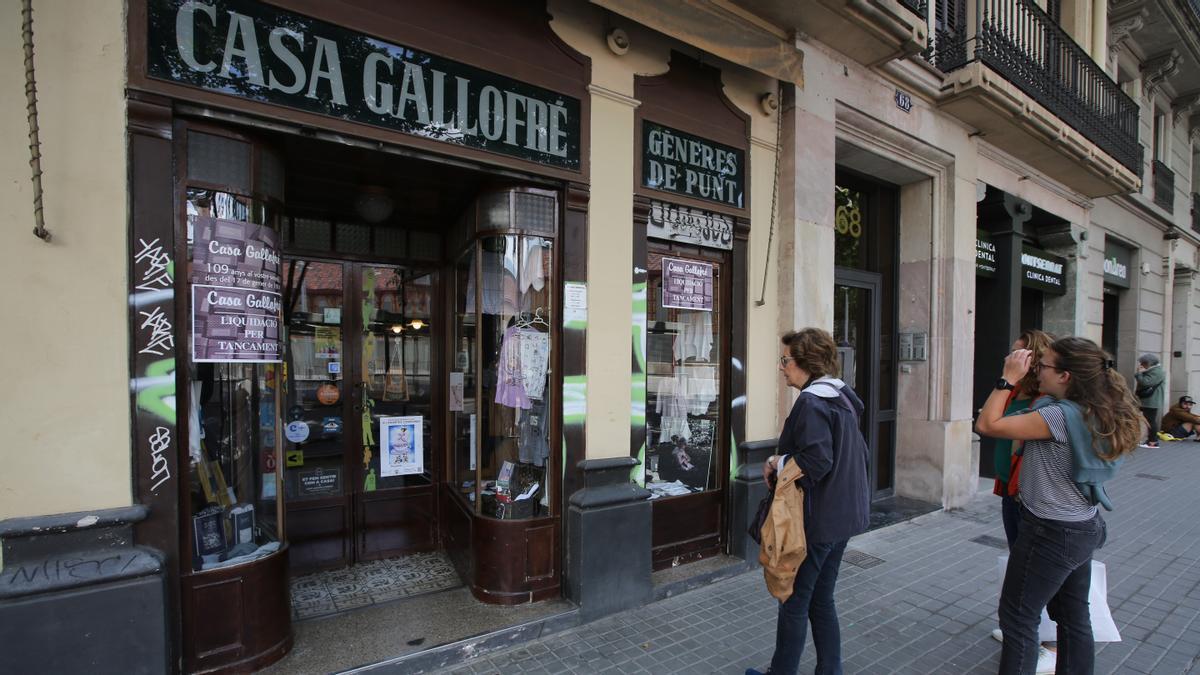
[920, 596]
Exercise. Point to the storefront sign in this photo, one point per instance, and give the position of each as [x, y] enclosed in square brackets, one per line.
[1117, 262]
[236, 305]
[690, 226]
[401, 446]
[1042, 270]
[985, 254]
[255, 51]
[687, 284]
[678, 162]
[319, 482]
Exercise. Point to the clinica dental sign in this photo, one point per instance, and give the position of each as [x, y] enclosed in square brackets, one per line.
[255, 51]
[678, 162]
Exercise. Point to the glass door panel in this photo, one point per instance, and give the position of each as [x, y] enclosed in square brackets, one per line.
[396, 378]
[313, 416]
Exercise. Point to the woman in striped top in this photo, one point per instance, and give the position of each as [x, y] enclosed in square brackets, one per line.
[1050, 563]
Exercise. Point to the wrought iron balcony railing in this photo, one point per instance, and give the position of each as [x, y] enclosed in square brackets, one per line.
[918, 6]
[1018, 40]
[1196, 211]
[1164, 185]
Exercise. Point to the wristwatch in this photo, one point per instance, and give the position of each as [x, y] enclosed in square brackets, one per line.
[1004, 385]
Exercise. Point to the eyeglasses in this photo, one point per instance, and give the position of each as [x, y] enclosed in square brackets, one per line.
[1037, 367]
[783, 361]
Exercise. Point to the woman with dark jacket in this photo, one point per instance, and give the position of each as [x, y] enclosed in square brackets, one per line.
[822, 436]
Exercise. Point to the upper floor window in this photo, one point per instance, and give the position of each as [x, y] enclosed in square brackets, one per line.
[1160, 135]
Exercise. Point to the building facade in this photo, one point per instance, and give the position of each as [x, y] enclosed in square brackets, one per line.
[505, 282]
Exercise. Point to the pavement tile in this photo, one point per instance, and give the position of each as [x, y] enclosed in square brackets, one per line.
[929, 608]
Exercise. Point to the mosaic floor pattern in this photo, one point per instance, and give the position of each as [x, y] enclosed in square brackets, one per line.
[371, 583]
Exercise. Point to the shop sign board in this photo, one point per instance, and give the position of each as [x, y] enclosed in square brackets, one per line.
[985, 254]
[687, 284]
[1043, 270]
[690, 226]
[236, 302]
[1117, 262]
[255, 51]
[678, 162]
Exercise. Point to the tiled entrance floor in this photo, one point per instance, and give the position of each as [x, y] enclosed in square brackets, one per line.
[371, 583]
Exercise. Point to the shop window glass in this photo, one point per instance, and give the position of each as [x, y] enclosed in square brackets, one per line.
[850, 236]
[505, 304]
[390, 241]
[312, 234]
[353, 238]
[425, 245]
[219, 160]
[683, 349]
[463, 381]
[231, 419]
[534, 212]
[270, 174]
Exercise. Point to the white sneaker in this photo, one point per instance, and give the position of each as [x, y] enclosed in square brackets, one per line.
[997, 635]
[1046, 661]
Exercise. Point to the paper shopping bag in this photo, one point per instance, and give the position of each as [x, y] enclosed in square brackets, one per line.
[1103, 627]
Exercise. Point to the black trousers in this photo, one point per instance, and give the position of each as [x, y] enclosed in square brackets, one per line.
[1151, 415]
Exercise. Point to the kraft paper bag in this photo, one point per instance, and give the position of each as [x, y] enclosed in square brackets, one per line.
[1103, 627]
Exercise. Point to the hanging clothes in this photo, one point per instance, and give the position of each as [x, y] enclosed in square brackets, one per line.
[534, 447]
[510, 379]
[695, 338]
[535, 361]
[532, 270]
[499, 284]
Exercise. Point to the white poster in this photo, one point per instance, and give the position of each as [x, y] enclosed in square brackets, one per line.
[456, 392]
[574, 302]
[401, 446]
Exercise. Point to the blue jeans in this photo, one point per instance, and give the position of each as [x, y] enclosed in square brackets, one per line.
[1010, 513]
[1049, 566]
[812, 598]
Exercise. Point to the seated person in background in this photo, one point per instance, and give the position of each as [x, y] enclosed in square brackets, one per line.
[1179, 422]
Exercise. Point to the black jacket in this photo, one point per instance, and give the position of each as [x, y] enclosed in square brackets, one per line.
[823, 437]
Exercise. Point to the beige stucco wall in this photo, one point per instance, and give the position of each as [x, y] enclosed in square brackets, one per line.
[610, 233]
[65, 410]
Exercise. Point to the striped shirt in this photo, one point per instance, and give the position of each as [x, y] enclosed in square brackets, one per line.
[1046, 486]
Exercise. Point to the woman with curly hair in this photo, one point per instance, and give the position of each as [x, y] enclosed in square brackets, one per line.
[1074, 440]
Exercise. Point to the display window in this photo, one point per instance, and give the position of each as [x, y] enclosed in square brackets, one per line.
[501, 393]
[233, 365]
[683, 374]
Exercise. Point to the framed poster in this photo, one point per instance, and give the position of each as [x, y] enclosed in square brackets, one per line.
[401, 446]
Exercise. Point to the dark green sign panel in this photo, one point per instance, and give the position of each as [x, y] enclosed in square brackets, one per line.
[1043, 270]
[985, 254]
[1118, 260]
[258, 52]
[678, 162]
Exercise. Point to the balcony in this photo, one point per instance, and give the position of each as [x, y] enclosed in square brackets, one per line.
[1025, 84]
[871, 32]
[1196, 212]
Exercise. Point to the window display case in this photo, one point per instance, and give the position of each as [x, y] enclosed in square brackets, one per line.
[234, 564]
[501, 387]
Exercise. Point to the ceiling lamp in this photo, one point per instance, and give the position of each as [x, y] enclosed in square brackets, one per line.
[416, 324]
[374, 204]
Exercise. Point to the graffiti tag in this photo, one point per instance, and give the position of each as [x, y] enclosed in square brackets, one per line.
[161, 338]
[160, 444]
